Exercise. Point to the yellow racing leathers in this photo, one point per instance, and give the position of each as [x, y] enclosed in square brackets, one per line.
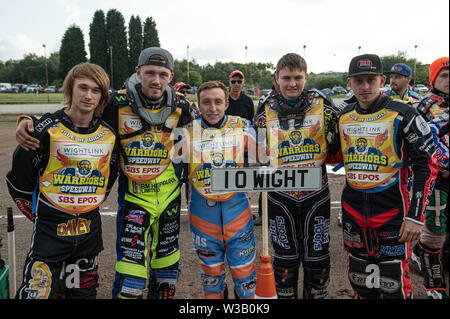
[149, 191]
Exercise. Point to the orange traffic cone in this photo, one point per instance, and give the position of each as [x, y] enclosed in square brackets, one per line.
[265, 280]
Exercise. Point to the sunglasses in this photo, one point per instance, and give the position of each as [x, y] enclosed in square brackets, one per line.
[236, 81]
[184, 91]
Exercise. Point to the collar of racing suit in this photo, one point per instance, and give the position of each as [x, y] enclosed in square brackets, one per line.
[374, 107]
[288, 109]
[441, 94]
[205, 123]
[67, 121]
[153, 114]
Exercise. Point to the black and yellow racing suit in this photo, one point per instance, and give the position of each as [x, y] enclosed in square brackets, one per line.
[60, 187]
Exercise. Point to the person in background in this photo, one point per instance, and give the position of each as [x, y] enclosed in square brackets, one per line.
[426, 255]
[399, 77]
[184, 89]
[239, 103]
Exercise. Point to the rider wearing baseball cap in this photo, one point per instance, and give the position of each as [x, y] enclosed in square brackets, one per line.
[400, 76]
[379, 220]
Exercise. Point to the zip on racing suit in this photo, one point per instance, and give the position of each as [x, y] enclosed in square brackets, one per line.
[427, 252]
[297, 134]
[221, 223]
[149, 191]
[378, 145]
[60, 187]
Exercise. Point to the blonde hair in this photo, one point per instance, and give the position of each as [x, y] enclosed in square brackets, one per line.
[90, 71]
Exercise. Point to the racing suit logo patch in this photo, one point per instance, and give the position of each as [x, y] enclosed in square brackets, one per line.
[321, 227]
[278, 232]
[40, 283]
[370, 154]
[214, 148]
[74, 227]
[298, 146]
[76, 176]
[147, 151]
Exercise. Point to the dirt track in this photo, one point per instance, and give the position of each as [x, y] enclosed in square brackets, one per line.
[189, 285]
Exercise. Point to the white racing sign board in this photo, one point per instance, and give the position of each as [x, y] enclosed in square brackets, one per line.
[263, 179]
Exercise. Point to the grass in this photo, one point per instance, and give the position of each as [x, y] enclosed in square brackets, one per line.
[31, 98]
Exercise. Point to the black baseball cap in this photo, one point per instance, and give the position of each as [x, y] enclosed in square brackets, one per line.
[148, 53]
[365, 64]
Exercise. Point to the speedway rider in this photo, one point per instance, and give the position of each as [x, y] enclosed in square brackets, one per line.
[379, 220]
[221, 223]
[427, 254]
[299, 125]
[60, 185]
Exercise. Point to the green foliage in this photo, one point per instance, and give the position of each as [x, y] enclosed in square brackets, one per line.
[27, 98]
[151, 38]
[134, 42]
[72, 49]
[31, 69]
[257, 74]
[98, 46]
[117, 40]
[327, 80]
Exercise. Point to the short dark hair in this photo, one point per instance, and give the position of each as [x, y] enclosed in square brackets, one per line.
[292, 61]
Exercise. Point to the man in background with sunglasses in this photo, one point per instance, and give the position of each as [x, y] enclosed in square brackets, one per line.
[240, 104]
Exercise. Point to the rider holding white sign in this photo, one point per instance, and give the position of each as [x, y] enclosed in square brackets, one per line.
[221, 223]
[299, 126]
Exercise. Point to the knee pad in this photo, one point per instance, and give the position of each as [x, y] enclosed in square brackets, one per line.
[431, 266]
[245, 288]
[315, 282]
[286, 280]
[128, 287]
[362, 278]
[379, 280]
[162, 284]
[393, 281]
[213, 286]
[81, 279]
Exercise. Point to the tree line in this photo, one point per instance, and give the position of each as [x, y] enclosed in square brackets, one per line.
[116, 48]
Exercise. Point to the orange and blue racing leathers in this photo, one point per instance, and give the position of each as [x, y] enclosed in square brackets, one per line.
[221, 223]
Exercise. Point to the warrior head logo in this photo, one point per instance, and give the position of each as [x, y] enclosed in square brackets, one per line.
[217, 159]
[84, 167]
[361, 144]
[295, 137]
[147, 139]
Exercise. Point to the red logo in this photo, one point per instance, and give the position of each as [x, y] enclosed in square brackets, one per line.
[365, 64]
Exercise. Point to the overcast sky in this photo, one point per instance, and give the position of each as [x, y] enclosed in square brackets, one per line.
[332, 30]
